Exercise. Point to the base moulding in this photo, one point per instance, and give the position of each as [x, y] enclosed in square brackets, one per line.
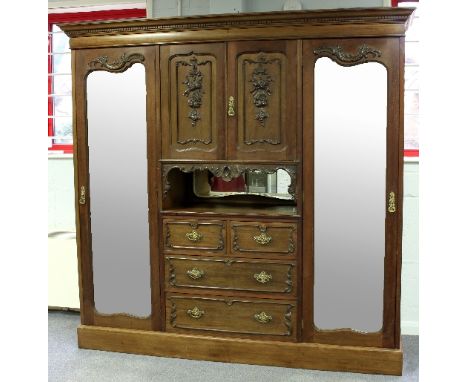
[302, 355]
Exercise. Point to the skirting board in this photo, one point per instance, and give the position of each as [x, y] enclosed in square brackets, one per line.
[272, 353]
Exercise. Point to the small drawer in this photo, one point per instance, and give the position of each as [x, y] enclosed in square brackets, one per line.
[231, 274]
[194, 235]
[239, 316]
[263, 237]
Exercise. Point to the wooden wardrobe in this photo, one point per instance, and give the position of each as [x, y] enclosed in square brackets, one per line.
[239, 187]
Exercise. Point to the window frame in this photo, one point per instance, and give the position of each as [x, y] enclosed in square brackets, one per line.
[396, 2]
[75, 17]
[414, 153]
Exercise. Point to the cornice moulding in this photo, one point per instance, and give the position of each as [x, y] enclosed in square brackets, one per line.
[382, 15]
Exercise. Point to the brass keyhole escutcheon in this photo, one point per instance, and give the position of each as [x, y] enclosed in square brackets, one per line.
[391, 202]
[82, 199]
[231, 111]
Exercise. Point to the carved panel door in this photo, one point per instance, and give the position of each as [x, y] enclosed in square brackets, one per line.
[192, 99]
[262, 100]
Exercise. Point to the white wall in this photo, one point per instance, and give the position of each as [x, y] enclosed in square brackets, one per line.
[166, 8]
[62, 259]
[277, 5]
[61, 194]
[410, 266]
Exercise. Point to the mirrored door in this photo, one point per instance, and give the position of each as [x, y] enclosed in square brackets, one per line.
[113, 128]
[118, 191]
[351, 162]
[349, 195]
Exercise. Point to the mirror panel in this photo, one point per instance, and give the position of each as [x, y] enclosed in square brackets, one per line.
[349, 195]
[116, 112]
[251, 182]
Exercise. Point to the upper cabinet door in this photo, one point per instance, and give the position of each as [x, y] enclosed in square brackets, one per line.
[192, 97]
[262, 92]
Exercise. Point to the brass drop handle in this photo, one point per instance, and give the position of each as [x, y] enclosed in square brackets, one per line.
[231, 111]
[263, 277]
[262, 239]
[391, 202]
[263, 318]
[195, 313]
[194, 236]
[82, 199]
[195, 273]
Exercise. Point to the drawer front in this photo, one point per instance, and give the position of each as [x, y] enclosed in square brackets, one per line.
[256, 237]
[272, 318]
[194, 235]
[231, 274]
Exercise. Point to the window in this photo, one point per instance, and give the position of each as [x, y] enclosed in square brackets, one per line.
[59, 84]
[59, 76]
[411, 81]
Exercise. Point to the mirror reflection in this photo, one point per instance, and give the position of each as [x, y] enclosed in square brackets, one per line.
[116, 112]
[251, 182]
[349, 195]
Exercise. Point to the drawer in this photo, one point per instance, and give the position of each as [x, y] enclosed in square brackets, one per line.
[231, 274]
[194, 235]
[263, 237]
[239, 316]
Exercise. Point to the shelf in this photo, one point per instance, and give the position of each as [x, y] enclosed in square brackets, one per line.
[234, 210]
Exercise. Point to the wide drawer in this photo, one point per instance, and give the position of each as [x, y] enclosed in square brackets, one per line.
[231, 274]
[240, 316]
[194, 235]
[263, 237]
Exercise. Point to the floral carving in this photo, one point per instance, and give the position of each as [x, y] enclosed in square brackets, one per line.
[339, 55]
[119, 65]
[260, 91]
[193, 88]
[287, 320]
[173, 316]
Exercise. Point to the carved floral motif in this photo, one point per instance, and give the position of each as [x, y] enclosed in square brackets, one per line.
[261, 91]
[287, 320]
[193, 87]
[117, 66]
[338, 54]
